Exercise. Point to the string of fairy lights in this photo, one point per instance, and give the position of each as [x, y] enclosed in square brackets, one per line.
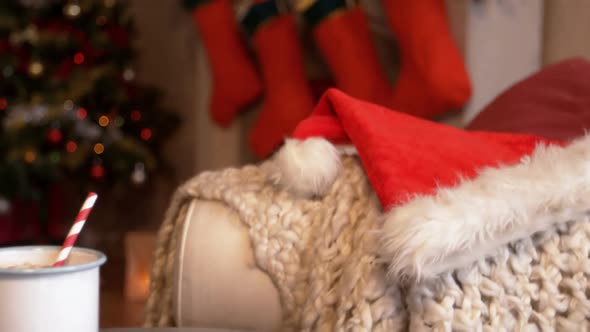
[20, 116]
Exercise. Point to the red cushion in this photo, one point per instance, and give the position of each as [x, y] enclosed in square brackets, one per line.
[554, 103]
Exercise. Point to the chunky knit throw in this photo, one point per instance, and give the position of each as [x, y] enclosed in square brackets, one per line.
[321, 255]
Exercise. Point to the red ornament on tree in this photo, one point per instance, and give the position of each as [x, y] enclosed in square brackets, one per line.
[135, 115]
[97, 172]
[146, 134]
[71, 147]
[79, 58]
[82, 113]
[54, 136]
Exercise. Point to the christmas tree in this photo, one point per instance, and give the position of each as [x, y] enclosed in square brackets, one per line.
[70, 106]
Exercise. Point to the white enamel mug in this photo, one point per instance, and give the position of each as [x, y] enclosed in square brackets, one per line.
[64, 299]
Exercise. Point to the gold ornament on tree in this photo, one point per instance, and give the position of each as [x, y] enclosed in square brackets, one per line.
[36, 68]
[72, 9]
[30, 156]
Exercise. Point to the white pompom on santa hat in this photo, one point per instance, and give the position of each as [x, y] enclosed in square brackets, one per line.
[450, 196]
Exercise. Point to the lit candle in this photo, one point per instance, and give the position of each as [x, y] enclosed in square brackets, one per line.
[139, 247]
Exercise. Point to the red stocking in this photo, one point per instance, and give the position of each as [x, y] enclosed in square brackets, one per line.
[345, 42]
[433, 79]
[235, 80]
[288, 98]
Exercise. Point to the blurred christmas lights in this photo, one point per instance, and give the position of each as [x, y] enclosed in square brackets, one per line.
[103, 120]
[146, 134]
[135, 115]
[79, 58]
[82, 113]
[71, 146]
[98, 148]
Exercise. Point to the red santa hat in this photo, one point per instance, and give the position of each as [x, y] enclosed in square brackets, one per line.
[450, 196]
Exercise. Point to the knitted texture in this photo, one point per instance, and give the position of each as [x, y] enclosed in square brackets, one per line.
[321, 256]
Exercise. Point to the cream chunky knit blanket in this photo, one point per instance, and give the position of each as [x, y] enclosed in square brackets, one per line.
[323, 256]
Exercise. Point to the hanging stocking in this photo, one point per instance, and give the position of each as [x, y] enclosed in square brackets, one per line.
[235, 80]
[345, 42]
[433, 79]
[288, 98]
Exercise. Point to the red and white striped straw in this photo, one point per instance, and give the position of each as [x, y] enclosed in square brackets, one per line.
[66, 248]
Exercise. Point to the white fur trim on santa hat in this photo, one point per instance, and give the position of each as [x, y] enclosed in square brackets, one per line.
[455, 227]
[306, 168]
